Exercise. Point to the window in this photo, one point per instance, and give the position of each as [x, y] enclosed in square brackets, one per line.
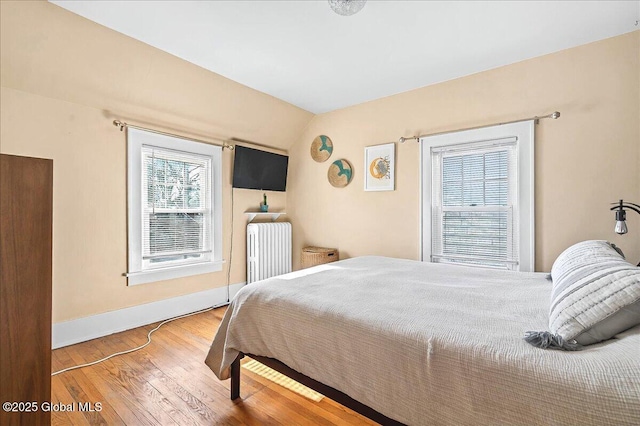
[174, 207]
[478, 197]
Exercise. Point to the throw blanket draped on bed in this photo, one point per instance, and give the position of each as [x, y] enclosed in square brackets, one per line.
[427, 343]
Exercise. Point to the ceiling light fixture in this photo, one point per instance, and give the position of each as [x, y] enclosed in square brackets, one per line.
[346, 7]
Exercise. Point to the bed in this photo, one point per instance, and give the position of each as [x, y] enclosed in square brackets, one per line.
[424, 343]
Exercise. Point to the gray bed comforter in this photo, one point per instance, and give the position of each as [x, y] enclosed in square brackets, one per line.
[432, 344]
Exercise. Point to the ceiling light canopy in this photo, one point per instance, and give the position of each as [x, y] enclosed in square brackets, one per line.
[347, 7]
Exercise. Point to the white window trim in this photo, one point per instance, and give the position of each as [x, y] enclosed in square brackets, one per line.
[524, 132]
[135, 140]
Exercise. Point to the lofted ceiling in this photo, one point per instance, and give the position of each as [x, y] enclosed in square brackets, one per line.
[305, 54]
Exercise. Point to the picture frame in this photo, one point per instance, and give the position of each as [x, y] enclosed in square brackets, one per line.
[380, 167]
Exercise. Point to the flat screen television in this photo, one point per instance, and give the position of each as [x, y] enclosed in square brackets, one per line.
[256, 169]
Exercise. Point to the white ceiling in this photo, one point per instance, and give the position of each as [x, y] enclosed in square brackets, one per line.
[305, 54]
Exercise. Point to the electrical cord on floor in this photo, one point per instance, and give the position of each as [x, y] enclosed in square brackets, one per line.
[170, 319]
[134, 349]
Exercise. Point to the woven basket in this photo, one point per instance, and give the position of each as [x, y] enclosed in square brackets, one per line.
[312, 256]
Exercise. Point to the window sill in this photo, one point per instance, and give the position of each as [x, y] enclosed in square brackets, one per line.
[150, 276]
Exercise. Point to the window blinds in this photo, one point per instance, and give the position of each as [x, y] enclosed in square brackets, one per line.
[176, 209]
[474, 204]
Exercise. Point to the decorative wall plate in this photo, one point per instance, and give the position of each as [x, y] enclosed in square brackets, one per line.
[321, 148]
[340, 173]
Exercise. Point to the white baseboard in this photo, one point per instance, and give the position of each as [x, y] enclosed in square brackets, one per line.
[82, 329]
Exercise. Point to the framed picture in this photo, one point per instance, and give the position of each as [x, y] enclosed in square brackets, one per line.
[380, 168]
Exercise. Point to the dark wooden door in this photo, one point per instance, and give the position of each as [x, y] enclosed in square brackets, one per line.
[26, 192]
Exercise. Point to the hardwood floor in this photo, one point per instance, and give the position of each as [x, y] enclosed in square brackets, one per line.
[168, 383]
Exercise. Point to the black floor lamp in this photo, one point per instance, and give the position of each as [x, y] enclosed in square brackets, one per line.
[621, 215]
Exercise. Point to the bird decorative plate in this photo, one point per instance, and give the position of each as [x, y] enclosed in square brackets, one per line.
[340, 173]
[321, 148]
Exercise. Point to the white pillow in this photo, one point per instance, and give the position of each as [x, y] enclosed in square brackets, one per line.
[596, 293]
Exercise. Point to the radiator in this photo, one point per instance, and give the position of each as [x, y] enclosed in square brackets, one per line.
[268, 250]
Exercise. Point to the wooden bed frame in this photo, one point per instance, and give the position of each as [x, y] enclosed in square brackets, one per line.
[325, 390]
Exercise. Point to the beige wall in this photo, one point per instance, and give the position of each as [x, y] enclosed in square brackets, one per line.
[64, 80]
[585, 160]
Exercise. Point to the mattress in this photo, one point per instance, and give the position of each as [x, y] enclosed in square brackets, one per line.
[426, 343]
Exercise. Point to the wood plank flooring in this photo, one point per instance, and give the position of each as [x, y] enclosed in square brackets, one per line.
[168, 383]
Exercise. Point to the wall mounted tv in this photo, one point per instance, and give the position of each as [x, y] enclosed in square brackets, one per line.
[255, 169]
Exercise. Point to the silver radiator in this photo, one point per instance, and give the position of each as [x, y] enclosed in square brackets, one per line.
[268, 250]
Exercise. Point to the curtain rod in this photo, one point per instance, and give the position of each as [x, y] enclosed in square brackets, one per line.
[555, 115]
[121, 125]
[244, 141]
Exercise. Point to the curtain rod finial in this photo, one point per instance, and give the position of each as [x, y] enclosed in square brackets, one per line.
[119, 124]
[403, 139]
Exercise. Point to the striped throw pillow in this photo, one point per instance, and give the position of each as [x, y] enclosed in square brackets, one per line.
[596, 293]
